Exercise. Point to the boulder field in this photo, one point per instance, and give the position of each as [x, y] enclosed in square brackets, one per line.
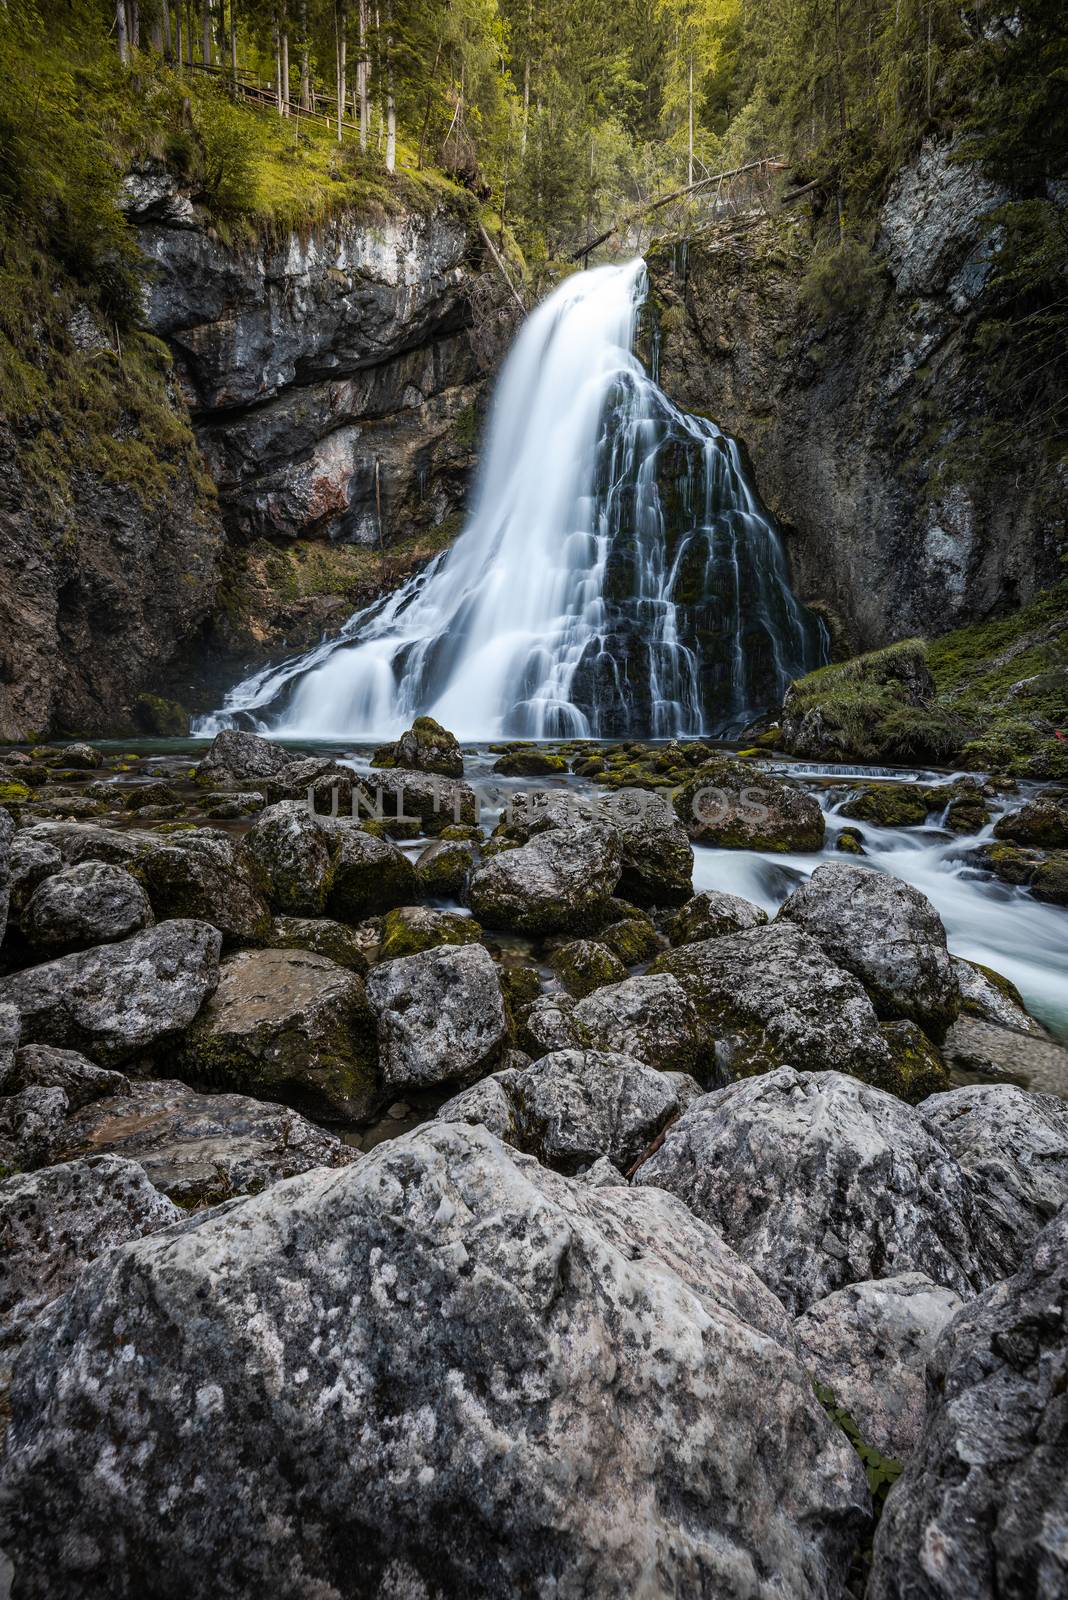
[395, 1209]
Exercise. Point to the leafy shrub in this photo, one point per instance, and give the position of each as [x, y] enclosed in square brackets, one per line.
[842, 281]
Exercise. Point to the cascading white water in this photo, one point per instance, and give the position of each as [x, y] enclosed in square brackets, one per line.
[617, 577]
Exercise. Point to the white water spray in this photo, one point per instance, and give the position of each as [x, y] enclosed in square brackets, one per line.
[617, 577]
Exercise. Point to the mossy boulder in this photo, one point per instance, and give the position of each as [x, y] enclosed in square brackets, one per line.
[1050, 882]
[529, 763]
[888, 805]
[287, 1025]
[312, 866]
[204, 873]
[323, 937]
[520, 985]
[1009, 862]
[369, 875]
[916, 1069]
[425, 747]
[408, 929]
[135, 796]
[584, 965]
[1041, 823]
[736, 807]
[560, 882]
[632, 939]
[444, 867]
[850, 841]
[712, 915]
[13, 793]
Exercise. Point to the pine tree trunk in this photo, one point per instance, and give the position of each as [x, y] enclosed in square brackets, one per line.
[689, 160]
[285, 65]
[276, 40]
[133, 25]
[342, 50]
[168, 42]
[391, 108]
[120, 31]
[233, 40]
[305, 59]
[205, 31]
[363, 77]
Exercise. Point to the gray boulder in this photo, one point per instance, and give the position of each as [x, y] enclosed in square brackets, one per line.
[870, 1344]
[987, 996]
[28, 1120]
[441, 1016]
[650, 1018]
[236, 754]
[712, 915]
[657, 856]
[548, 1024]
[888, 935]
[559, 882]
[444, 867]
[982, 1507]
[1015, 1144]
[322, 936]
[1027, 1056]
[31, 861]
[425, 747]
[370, 875]
[55, 1222]
[287, 1025]
[426, 799]
[198, 1148]
[42, 1066]
[737, 807]
[419, 1341]
[583, 965]
[205, 874]
[118, 999]
[90, 904]
[771, 996]
[7, 831]
[818, 1180]
[311, 865]
[10, 1033]
[74, 842]
[573, 1107]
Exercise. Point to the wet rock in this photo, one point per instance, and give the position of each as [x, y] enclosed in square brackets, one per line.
[548, 1024]
[43, 1066]
[287, 1025]
[198, 1148]
[771, 996]
[1015, 1144]
[369, 875]
[425, 799]
[239, 755]
[75, 842]
[310, 865]
[443, 868]
[557, 883]
[573, 1107]
[870, 1343]
[90, 904]
[651, 1018]
[632, 939]
[409, 929]
[31, 861]
[480, 1291]
[80, 757]
[734, 807]
[323, 937]
[657, 857]
[117, 999]
[54, 1223]
[7, 830]
[888, 935]
[28, 1119]
[888, 805]
[584, 965]
[530, 763]
[850, 841]
[917, 1069]
[1050, 881]
[713, 914]
[982, 1507]
[818, 1181]
[1042, 823]
[205, 874]
[985, 1048]
[441, 1016]
[426, 747]
[990, 997]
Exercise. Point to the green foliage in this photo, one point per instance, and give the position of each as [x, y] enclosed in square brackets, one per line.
[882, 1471]
[840, 282]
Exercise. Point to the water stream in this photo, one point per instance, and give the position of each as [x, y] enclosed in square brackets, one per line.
[617, 577]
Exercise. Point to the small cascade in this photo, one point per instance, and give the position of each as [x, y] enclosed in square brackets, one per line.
[618, 576]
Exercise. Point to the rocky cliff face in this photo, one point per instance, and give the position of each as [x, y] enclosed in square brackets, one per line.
[330, 387]
[862, 423]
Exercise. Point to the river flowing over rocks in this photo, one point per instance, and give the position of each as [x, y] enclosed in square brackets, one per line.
[488, 1194]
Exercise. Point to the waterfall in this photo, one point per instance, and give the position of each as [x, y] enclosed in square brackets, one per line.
[618, 576]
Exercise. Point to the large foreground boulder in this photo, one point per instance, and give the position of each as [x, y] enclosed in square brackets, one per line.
[870, 1343]
[118, 999]
[198, 1148]
[730, 805]
[92, 903]
[203, 873]
[982, 1509]
[573, 1107]
[772, 996]
[887, 934]
[440, 1015]
[55, 1222]
[287, 1025]
[441, 1371]
[1015, 1143]
[818, 1180]
[558, 883]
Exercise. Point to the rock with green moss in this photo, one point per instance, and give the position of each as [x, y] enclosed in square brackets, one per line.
[323, 937]
[888, 805]
[287, 1025]
[917, 1069]
[713, 914]
[520, 985]
[850, 842]
[234, 754]
[137, 795]
[408, 929]
[82, 756]
[547, 1024]
[441, 1016]
[632, 939]
[426, 747]
[161, 718]
[13, 793]
[584, 965]
[369, 875]
[988, 995]
[736, 807]
[205, 873]
[650, 1018]
[529, 763]
[226, 806]
[887, 934]
[1041, 823]
[657, 857]
[559, 882]
[444, 867]
[1050, 882]
[93, 903]
[311, 865]
[1009, 862]
[402, 800]
[7, 833]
